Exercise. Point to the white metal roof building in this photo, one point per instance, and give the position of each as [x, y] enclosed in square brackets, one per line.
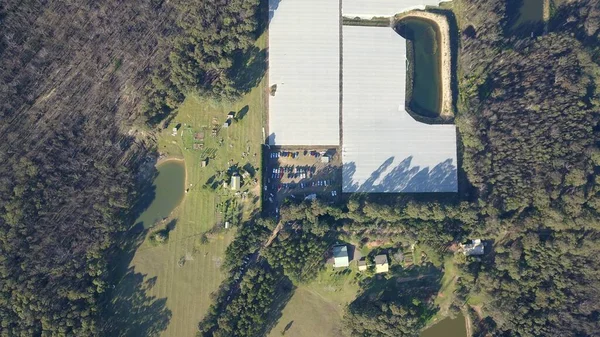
[368, 9]
[304, 63]
[384, 149]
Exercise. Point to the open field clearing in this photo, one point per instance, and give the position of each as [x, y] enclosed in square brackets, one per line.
[317, 308]
[157, 269]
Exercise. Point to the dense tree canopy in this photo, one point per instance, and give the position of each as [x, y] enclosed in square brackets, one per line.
[528, 120]
[206, 55]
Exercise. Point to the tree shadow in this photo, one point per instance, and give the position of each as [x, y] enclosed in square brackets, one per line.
[242, 113]
[132, 312]
[249, 67]
[402, 178]
[285, 291]
[145, 193]
[415, 294]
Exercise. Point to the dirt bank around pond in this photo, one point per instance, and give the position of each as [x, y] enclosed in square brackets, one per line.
[443, 28]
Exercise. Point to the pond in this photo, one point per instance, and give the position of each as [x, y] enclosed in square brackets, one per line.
[447, 328]
[424, 65]
[168, 190]
[531, 11]
[525, 17]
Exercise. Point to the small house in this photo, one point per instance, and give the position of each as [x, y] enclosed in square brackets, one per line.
[236, 182]
[362, 265]
[381, 264]
[340, 256]
[473, 247]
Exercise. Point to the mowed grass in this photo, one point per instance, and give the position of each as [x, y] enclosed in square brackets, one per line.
[187, 289]
[317, 308]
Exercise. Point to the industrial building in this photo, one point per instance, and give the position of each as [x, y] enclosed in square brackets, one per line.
[368, 9]
[304, 72]
[384, 149]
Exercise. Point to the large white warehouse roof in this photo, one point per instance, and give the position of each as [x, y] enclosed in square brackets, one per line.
[304, 61]
[384, 149]
[368, 9]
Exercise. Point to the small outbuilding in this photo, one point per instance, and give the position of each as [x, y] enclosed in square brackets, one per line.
[227, 123]
[231, 115]
[236, 182]
[325, 159]
[204, 162]
[473, 247]
[362, 265]
[381, 264]
[340, 256]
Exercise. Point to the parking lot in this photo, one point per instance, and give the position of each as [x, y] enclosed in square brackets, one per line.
[300, 174]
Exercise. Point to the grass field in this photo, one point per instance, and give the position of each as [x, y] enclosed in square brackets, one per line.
[178, 297]
[317, 308]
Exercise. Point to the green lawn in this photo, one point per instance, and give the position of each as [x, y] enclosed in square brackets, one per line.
[317, 308]
[156, 287]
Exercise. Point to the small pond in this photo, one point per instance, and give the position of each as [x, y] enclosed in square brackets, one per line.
[167, 192]
[531, 11]
[447, 328]
[425, 65]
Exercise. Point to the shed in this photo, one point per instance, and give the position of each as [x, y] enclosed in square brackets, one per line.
[231, 115]
[381, 264]
[473, 247]
[362, 265]
[204, 162]
[227, 123]
[325, 159]
[340, 256]
[235, 182]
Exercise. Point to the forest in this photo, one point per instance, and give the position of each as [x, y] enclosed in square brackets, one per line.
[79, 83]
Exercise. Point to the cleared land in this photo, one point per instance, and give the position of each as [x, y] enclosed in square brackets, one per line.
[304, 64]
[157, 274]
[384, 149]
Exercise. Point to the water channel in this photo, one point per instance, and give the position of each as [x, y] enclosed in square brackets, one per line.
[168, 190]
[447, 328]
[424, 54]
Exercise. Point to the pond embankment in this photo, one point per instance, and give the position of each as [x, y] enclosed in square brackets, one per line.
[443, 29]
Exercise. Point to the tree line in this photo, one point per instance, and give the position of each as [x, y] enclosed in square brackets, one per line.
[206, 56]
